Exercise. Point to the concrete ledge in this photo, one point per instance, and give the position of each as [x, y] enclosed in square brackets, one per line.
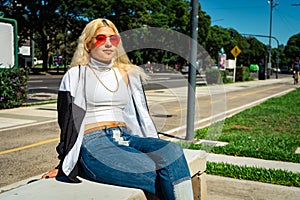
[49, 189]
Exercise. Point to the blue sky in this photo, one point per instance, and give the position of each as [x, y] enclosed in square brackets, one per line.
[253, 17]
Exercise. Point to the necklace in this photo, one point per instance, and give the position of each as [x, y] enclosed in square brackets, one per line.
[103, 83]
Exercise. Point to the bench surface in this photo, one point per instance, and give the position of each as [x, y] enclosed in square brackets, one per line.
[47, 189]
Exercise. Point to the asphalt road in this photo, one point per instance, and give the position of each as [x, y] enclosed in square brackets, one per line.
[50, 83]
[168, 114]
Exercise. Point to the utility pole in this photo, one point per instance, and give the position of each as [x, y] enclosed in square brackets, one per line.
[272, 5]
[192, 71]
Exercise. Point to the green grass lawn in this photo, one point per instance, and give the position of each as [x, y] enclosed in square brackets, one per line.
[268, 131]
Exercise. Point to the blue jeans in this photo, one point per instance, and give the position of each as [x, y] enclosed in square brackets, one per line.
[150, 164]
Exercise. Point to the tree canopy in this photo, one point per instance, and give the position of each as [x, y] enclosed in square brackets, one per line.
[55, 25]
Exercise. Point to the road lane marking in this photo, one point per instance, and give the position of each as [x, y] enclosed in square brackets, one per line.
[252, 92]
[29, 146]
[234, 97]
[180, 109]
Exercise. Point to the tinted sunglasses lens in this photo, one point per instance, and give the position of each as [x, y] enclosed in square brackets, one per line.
[114, 39]
[101, 39]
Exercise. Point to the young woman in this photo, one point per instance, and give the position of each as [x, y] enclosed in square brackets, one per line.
[106, 131]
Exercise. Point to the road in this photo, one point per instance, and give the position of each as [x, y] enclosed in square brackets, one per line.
[50, 83]
[30, 151]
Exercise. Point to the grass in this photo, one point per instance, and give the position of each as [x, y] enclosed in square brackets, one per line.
[268, 131]
[280, 177]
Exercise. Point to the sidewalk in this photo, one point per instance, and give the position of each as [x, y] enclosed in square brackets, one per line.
[219, 188]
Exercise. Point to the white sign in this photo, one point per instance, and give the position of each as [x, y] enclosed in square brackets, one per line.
[230, 64]
[7, 56]
[25, 50]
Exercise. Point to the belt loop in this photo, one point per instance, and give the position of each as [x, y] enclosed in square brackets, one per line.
[119, 126]
[122, 128]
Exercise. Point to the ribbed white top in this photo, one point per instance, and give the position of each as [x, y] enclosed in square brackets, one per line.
[102, 104]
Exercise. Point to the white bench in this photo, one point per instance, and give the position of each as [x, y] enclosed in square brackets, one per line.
[49, 189]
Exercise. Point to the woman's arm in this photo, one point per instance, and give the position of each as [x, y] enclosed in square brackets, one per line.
[63, 111]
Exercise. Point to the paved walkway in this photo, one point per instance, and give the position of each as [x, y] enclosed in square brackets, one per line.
[219, 188]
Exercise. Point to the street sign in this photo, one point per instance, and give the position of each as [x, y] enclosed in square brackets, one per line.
[9, 42]
[235, 51]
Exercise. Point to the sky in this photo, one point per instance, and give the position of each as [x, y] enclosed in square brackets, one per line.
[253, 17]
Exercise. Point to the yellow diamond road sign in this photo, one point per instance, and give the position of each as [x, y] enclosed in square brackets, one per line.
[235, 51]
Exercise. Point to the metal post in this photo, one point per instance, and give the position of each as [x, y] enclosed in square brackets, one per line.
[270, 41]
[32, 50]
[272, 5]
[192, 72]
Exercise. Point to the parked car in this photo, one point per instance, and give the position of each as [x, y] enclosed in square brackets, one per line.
[276, 69]
[185, 69]
[286, 70]
[37, 62]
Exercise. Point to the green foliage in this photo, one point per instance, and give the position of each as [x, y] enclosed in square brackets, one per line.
[255, 174]
[224, 74]
[267, 131]
[13, 87]
[201, 133]
[213, 76]
[243, 74]
[292, 49]
[56, 25]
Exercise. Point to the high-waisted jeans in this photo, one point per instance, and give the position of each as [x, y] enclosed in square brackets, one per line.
[151, 164]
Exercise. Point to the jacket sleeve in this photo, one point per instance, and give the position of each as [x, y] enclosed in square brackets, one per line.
[64, 111]
[68, 130]
[137, 113]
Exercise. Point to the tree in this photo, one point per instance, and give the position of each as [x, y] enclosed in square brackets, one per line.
[203, 28]
[218, 37]
[55, 25]
[292, 49]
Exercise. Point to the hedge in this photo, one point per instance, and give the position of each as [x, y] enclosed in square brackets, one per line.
[13, 87]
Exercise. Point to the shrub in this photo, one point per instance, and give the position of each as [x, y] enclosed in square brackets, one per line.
[243, 74]
[224, 74]
[13, 87]
[213, 76]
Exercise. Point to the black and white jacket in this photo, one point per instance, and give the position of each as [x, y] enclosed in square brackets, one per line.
[71, 107]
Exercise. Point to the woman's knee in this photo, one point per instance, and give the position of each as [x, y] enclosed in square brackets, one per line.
[167, 154]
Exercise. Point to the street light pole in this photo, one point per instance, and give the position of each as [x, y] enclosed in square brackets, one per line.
[192, 72]
[272, 5]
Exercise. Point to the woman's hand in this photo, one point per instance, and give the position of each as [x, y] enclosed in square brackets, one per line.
[51, 174]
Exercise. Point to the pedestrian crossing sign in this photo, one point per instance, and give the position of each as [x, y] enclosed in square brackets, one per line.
[235, 51]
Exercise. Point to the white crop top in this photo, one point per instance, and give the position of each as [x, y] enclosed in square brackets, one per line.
[102, 104]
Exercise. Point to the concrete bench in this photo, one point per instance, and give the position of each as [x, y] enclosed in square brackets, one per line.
[49, 189]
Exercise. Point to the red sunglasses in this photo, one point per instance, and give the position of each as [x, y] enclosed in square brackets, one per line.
[101, 39]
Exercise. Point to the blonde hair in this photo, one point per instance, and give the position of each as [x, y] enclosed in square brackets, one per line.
[82, 57]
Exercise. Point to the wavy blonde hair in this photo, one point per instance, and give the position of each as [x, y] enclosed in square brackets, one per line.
[121, 60]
